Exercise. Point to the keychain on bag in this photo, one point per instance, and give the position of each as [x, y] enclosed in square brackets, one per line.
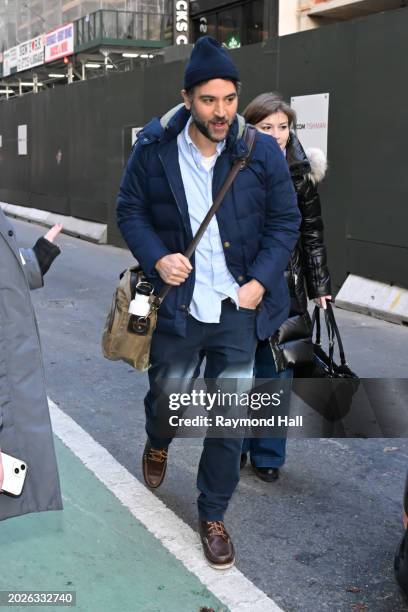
[140, 308]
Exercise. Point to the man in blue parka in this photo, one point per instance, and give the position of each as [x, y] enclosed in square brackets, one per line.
[233, 290]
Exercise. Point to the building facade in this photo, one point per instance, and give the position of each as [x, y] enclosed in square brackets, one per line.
[22, 20]
[238, 23]
[89, 38]
[300, 15]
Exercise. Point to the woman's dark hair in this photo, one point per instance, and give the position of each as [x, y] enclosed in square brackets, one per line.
[266, 104]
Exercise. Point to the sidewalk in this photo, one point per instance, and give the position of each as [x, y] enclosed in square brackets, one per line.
[97, 548]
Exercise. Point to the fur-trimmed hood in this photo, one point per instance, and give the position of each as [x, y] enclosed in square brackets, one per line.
[318, 164]
[311, 163]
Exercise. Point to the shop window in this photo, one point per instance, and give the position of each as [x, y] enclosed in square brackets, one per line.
[254, 22]
[242, 24]
[206, 25]
[230, 27]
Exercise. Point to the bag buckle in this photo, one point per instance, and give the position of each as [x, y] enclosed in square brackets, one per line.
[138, 325]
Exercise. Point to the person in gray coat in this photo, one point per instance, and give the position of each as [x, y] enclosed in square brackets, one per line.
[25, 428]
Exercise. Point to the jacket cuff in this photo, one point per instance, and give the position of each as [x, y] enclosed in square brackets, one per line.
[317, 289]
[46, 252]
[262, 276]
[31, 268]
[148, 261]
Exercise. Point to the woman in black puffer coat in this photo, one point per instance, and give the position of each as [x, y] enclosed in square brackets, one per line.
[307, 272]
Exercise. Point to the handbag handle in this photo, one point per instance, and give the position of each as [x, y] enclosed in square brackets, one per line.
[330, 332]
[333, 333]
[316, 322]
[241, 163]
[334, 326]
[331, 336]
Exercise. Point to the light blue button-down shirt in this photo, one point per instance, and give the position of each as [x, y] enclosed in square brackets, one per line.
[213, 280]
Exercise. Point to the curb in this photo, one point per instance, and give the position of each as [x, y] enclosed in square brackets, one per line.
[375, 299]
[87, 230]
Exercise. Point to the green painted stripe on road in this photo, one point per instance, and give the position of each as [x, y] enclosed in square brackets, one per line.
[97, 548]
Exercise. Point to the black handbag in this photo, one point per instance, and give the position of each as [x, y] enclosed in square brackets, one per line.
[331, 398]
[291, 344]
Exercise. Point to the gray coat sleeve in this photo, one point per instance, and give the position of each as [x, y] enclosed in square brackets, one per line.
[32, 268]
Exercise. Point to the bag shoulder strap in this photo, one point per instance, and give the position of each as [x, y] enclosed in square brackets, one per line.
[241, 163]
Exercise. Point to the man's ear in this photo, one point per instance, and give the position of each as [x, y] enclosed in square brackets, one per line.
[186, 99]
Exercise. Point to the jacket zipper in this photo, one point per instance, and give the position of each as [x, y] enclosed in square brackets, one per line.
[190, 297]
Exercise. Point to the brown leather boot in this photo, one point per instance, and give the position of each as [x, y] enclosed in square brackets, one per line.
[154, 465]
[217, 545]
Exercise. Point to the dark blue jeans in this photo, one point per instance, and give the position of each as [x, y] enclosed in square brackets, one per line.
[266, 452]
[229, 348]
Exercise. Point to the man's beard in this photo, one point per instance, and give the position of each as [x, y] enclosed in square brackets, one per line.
[203, 128]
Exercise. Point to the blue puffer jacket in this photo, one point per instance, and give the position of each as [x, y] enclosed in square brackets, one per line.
[258, 219]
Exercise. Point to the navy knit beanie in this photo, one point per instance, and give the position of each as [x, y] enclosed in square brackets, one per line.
[208, 60]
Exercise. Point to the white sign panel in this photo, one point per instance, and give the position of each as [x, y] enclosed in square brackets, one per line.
[312, 120]
[10, 58]
[59, 43]
[31, 53]
[22, 139]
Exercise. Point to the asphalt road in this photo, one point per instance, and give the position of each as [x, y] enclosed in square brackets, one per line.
[322, 537]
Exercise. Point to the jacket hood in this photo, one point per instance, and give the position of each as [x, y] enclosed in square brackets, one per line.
[318, 164]
[312, 162]
[173, 122]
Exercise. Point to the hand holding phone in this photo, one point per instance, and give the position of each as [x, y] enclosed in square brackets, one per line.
[13, 473]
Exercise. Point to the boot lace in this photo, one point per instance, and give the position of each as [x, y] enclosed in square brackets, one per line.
[217, 528]
[157, 455]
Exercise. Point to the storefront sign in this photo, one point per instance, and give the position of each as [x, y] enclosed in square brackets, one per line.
[203, 25]
[30, 53]
[312, 120]
[59, 43]
[181, 34]
[233, 42]
[10, 61]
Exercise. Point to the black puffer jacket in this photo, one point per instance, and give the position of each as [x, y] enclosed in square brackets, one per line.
[307, 269]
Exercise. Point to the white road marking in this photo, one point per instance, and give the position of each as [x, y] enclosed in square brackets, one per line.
[230, 586]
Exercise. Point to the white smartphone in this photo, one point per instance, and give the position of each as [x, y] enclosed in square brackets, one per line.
[15, 472]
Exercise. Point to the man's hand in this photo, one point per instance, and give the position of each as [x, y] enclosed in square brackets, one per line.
[174, 269]
[251, 294]
[53, 232]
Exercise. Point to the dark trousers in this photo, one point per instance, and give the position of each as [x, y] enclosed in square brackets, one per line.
[266, 452]
[229, 348]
